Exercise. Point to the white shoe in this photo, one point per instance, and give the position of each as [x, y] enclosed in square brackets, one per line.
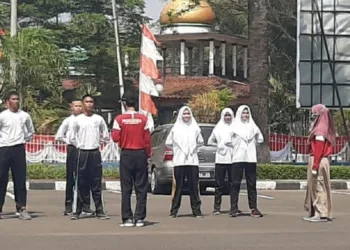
[127, 223]
[140, 223]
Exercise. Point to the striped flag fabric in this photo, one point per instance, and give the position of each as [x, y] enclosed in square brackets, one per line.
[148, 73]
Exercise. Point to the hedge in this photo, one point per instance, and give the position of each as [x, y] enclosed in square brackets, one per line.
[295, 172]
[58, 172]
[265, 172]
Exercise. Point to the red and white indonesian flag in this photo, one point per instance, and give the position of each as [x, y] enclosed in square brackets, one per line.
[148, 72]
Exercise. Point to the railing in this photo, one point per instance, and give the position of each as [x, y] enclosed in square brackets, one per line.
[284, 148]
[295, 149]
[44, 148]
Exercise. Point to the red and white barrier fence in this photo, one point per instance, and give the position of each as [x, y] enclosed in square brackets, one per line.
[284, 148]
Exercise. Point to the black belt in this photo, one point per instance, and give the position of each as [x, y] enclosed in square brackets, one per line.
[132, 149]
[87, 150]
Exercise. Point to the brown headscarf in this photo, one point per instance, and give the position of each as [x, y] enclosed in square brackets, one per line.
[323, 125]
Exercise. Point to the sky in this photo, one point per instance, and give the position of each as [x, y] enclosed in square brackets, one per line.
[153, 8]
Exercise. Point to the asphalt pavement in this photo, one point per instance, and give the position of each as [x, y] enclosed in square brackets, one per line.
[281, 228]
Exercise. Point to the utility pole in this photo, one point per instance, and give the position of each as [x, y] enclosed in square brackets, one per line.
[120, 70]
[13, 73]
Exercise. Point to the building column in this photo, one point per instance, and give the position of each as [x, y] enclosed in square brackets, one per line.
[211, 57]
[234, 60]
[164, 62]
[223, 58]
[245, 62]
[217, 57]
[182, 58]
[201, 58]
[190, 61]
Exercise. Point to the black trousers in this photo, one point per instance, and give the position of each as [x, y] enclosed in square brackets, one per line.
[249, 170]
[191, 173]
[89, 178]
[13, 158]
[71, 170]
[220, 173]
[134, 172]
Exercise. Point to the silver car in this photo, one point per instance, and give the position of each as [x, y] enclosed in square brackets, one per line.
[160, 169]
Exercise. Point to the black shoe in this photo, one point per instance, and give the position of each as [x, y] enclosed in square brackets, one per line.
[87, 212]
[127, 223]
[216, 212]
[68, 212]
[102, 216]
[24, 215]
[74, 217]
[173, 216]
[140, 223]
[236, 213]
[256, 213]
[18, 211]
[198, 216]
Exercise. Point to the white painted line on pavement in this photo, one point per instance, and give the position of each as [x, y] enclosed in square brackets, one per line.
[10, 195]
[209, 189]
[341, 192]
[267, 197]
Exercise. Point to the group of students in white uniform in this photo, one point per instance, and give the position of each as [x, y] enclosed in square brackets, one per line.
[236, 139]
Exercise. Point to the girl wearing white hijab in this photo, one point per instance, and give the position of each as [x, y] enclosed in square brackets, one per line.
[245, 136]
[185, 138]
[223, 156]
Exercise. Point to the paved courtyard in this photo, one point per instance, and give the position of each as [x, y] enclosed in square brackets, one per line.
[281, 228]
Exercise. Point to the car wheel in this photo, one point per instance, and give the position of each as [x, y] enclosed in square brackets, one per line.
[155, 187]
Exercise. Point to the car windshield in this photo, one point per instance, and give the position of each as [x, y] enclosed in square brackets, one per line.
[206, 132]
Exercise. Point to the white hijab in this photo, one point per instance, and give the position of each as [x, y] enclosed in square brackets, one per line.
[185, 133]
[222, 131]
[246, 130]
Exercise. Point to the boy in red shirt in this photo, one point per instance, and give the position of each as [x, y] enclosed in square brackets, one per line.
[131, 133]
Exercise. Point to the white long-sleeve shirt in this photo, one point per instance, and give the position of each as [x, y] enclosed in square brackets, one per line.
[179, 157]
[226, 158]
[89, 131]
[15, 128]
[64, 130]
[244, 151]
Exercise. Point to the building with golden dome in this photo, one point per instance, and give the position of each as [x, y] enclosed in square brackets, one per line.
[197, 58]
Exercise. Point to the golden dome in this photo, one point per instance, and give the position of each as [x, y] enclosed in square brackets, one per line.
[180, 11]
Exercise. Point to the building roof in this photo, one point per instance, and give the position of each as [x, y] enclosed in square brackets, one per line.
[183, 87]
[165, 39]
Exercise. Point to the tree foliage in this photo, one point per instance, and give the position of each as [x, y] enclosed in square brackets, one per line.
[338, 122]
[39, 67]
[206, 107]
[69, 39]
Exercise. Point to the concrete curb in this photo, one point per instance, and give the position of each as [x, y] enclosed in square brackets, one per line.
[261, 185]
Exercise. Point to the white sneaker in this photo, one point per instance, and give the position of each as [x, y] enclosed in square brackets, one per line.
[127, 223]
[140, 223]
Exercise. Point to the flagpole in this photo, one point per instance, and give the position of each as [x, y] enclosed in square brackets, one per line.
[120, 70]
[140, 70]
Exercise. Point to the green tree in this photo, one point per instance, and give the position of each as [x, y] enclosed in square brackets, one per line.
[283, 112]
[258, 70]
[207, 106]
[39, 67]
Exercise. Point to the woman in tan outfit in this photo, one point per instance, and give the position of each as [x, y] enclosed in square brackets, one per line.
[318, 200]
